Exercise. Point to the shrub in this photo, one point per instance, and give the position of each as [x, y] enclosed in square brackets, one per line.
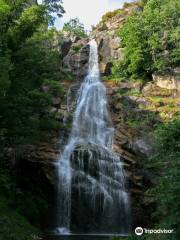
[112, 14]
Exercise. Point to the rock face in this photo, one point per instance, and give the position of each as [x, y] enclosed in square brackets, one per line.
[106, 35]
[108, 43]
[136, 109]
[169, 81]
[133, 147]
[90, 179]
[76, 51]
[76, 55]
[143, 146]
[43, 155]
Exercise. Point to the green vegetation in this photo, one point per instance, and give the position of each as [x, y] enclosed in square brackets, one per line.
[54, 6]
[77, 48]
[129, 92]
[16, 207]
[151, 44]
[14, 226]
[30, 80]
[109, 15]
[122, 11]
[75, 27]
[29, 62]
[150, 39]
[167, 192]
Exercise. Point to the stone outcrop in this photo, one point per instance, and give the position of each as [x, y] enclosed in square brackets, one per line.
[76, 54]
[144, 146]
[106, 35]
[43, 155]
[91, 178]
[133, 145]
[108, 43]
[169, 81]
[133, 139]
[135, 111]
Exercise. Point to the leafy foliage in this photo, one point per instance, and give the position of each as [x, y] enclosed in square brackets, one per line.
[13, 224]
[30, 59]
[30, 47]
[150, 39]
[109, 15]
[75, 27]
[167, 192]
[54, 6]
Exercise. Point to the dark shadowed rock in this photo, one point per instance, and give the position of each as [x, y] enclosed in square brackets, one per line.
[66, 45]
[144, 146]
[76, 61]
[106, 35]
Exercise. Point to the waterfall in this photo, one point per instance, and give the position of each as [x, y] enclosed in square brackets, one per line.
[88, 166]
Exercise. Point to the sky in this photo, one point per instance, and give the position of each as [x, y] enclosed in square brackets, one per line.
[88, 11]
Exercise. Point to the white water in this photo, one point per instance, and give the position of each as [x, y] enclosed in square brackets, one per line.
[92, 132]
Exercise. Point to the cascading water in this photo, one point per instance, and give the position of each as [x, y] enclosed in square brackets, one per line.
[88, 168]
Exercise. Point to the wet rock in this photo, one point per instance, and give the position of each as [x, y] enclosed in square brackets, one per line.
[136, 191]
[140, 100]
[109, 48]
[45, 88]
[29, 3]
[76, 61]
[53, 110]
[66, 45]
[109, 43]
[118, 106]
[148, 178]
[93, 169]
[56, 101]
[143, 146]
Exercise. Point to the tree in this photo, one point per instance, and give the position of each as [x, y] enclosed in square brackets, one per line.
[54, 6]
[75, 27]
[167, 191]
[29, 59]
[150, 39]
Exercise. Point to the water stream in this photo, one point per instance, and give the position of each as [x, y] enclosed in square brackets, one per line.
[90, 174]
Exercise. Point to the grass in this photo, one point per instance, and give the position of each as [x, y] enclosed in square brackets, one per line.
[77, 48]
[167, 107]
[14, 226]
[112, 14]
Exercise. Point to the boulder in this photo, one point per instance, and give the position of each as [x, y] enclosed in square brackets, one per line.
[66, 45]
[106, 35]
[169, 81]
[92, 175]
[56, 101]
[109, 49]
[143, 146]
[76, 61]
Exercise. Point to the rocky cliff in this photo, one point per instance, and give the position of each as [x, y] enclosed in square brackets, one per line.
[136, 107]
[106, 35]
[75, 52]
